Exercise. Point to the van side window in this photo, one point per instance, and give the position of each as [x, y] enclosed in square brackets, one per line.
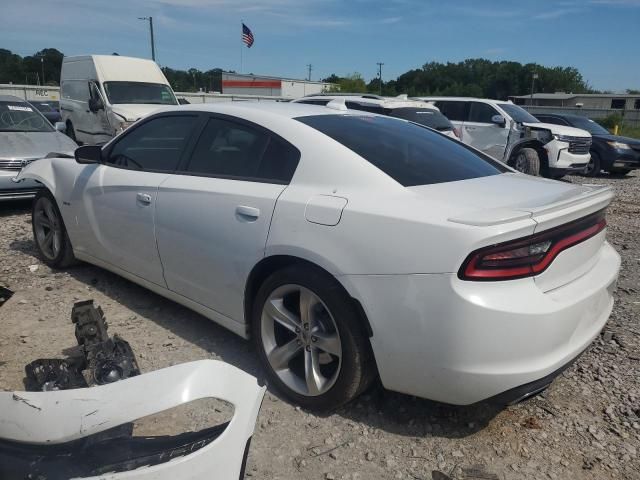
[156, 145]
[481, 112]
[75, 90]
[453, 110]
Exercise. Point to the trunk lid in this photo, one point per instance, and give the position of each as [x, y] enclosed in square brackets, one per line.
[507, 199]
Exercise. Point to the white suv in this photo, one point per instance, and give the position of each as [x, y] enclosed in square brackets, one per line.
[512, 135]
[423, 113]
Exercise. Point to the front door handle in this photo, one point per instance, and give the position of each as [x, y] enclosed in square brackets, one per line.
[247, 213]
[143, 198]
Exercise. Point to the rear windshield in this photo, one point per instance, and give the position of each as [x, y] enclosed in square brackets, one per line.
[408, 153]
[424, 116]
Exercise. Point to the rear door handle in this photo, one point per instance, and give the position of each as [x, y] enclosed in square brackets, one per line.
[143, 198]
[247, 213]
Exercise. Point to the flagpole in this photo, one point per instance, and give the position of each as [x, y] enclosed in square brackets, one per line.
[241, 33]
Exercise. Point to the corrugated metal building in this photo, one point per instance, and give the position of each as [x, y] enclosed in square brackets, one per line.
[616, 101]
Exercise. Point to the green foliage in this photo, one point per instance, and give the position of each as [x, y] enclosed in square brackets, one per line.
[16, 69]
[610, 121]
[633, 132]
[483, 78]
[353, 83]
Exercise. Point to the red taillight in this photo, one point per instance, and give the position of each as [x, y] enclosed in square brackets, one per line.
[531, 255]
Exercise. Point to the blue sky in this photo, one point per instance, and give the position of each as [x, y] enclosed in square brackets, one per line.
[599, 37]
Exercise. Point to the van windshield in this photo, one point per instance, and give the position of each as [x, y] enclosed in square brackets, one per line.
[139, 92]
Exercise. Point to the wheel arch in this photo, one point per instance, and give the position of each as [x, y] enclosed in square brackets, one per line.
[273, 263]
[41, 171]
[529, 143]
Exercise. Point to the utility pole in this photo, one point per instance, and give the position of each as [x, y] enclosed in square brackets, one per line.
[153, 45]
[42, 62]
[533, 81]
[380, 64]
[309, 67]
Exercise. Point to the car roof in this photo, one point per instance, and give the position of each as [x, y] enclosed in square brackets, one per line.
[280, 109]
[465, 99]
[388, 102]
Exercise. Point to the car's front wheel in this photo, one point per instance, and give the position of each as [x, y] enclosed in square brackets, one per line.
[594, 165]
[310, 339]
[527, 161]
[49, 232]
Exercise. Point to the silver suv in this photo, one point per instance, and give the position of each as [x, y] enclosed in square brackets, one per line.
[514, 136]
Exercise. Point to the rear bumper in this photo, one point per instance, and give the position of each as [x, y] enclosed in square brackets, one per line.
[10, 190]
[460, 342]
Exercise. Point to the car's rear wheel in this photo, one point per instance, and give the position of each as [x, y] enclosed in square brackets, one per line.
[527, 161]
[49, 232]
[310, 339]
[594, 166]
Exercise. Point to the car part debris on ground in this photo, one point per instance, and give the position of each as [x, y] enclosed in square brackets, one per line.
[5, 294]
[87, 432]
[102, 359]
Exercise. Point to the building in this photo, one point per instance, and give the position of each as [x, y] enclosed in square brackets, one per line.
[603, 101]
[241, 84]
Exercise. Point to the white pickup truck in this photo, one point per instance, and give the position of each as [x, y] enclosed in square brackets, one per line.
[512, 135]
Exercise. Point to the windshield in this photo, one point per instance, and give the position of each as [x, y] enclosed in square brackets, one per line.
[588, 125]
[424, 116]
[518, 114]
[22, 117]
[138, 92]
[410, 154]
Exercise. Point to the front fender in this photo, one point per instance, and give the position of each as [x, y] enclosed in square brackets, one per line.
[40, 170]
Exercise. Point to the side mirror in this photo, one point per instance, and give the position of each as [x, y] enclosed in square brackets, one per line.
[88, 154]
[60, 127]
[95, 104]
[499, 120]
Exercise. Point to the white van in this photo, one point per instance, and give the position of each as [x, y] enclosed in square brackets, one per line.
[101, 95]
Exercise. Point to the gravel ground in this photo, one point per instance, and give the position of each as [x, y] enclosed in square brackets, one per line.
[586, 425]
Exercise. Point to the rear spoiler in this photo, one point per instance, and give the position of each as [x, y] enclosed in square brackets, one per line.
[595, 198]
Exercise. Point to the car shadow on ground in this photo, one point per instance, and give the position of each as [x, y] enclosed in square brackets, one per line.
[378, 408]
[14, 207]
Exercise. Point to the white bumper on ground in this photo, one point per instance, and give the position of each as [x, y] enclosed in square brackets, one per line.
[461, 342]
[56, 418]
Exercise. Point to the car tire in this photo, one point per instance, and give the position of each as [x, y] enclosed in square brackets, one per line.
[49, 232]
[594, 166]
[527, 161]
[341, 360]
[619, 171]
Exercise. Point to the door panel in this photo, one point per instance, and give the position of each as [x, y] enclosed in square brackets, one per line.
[211, 232]
[481, 133]
[120, 208]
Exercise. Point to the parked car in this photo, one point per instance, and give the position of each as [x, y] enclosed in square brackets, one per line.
[25, 136]
[612, 153]
[50, 110]
[512, 135]
[102, 95]
[346, 245]
[423, 113]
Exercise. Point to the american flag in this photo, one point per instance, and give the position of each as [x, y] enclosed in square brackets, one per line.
[247, 36]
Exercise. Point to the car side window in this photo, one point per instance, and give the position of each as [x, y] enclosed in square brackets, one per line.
[155, 145]
[238, 151]
[553, 120]
[453, 110]
[481, 112]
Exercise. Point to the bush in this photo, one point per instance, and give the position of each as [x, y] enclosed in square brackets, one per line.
[610, 121]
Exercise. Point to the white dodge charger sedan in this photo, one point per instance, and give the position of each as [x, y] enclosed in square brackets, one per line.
[346, 245]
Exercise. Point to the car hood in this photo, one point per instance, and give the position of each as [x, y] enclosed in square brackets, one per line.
[559, 129]
[134, 111]
[618, 138]
[29, 145]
